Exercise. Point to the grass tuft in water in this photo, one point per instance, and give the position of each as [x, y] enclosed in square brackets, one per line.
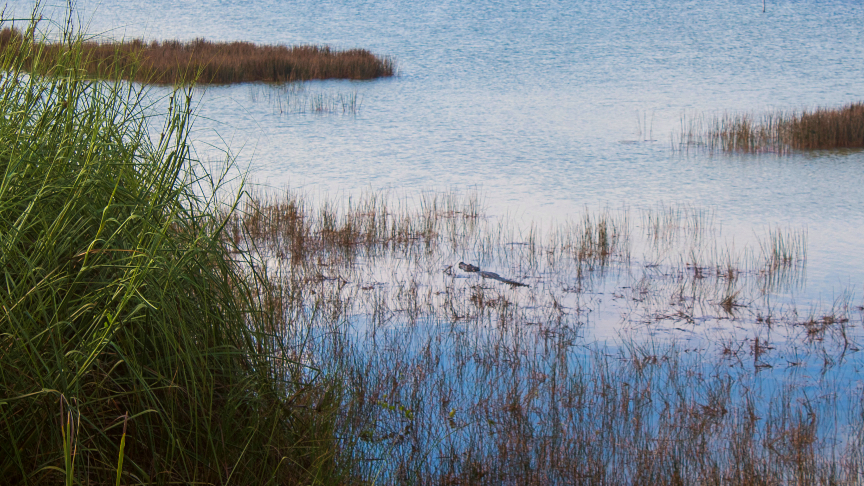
[777, 132]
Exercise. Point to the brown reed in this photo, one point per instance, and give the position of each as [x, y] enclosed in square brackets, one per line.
[447, 379]
[175, 62]
[778, 132]
[826, 128]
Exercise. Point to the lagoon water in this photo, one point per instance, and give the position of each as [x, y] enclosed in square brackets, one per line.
[546, 107]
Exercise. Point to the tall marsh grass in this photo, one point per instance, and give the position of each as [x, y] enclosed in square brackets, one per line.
[777, 132]
[174, 62]
[135, 346]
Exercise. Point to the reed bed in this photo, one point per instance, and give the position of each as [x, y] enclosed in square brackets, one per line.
[778, 132]
[637, 353]
[136, 347]
[202, 61]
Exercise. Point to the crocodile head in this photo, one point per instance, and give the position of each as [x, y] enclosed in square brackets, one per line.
[467, 267]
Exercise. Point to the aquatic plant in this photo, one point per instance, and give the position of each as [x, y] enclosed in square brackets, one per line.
[451, 379]
[777, 132]
[828, 128]
[202, 61]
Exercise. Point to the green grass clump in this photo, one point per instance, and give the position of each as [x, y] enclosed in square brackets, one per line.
[135, 346]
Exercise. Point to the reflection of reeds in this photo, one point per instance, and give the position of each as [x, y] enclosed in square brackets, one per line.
[777, 132]
[689, 238]
[449, 380]
[835, 322]
[783, 260]
[172, 62]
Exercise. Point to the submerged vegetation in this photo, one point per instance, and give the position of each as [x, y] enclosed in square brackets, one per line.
[175, 62]
[778, 132]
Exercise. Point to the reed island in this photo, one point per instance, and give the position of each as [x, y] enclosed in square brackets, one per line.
[205, 62]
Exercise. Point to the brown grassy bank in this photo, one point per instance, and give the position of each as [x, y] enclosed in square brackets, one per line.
[779, 132]
[172, 62]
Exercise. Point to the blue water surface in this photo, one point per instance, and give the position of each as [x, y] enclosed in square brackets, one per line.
[548, 107]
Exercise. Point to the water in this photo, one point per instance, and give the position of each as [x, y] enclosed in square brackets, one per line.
[549, 108]
[546, 106]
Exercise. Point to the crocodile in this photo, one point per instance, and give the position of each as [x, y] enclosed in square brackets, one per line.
[467, 267]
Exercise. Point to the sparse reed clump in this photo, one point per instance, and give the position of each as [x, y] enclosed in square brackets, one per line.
[174, 62]
[779, 132]
[294, 230]
[134, 347]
